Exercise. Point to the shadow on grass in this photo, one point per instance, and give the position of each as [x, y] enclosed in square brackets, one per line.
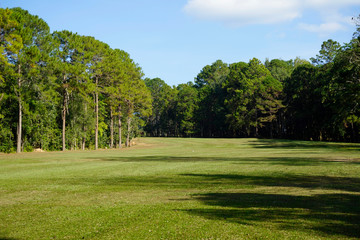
[287, 180]
[271, 143]
[288, 161]
[226, 181]
[142, 182]
[334, 214]
[162, 159]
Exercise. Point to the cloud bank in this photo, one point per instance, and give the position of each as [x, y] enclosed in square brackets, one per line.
[245, 12]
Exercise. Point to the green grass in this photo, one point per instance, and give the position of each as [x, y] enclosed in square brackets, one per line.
[184, 189]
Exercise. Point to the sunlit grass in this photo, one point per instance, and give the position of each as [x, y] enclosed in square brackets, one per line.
[184, 189]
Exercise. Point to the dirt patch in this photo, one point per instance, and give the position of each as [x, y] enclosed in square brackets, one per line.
[38, 150]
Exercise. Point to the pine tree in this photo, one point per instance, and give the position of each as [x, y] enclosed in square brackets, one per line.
[69, 68]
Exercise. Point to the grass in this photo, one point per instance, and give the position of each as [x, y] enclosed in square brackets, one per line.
[184, 189]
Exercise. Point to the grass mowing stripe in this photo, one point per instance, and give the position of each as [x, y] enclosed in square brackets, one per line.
[169, 188]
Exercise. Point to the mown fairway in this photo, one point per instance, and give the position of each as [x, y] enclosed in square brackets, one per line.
[184, 189]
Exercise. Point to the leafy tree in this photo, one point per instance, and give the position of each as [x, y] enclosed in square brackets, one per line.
[212, 75]
[10, 41]
[280, 69]
[115, 68]
[252, 97]
[79, 121]
[298, 62]
[10, 45]
[69, 68]
[186, 106]
[304, 103]
[327, 54]
[32, 31]
[137, 98]
[210, 116]
[162, 98]
[95, 54]
[64, 90]
[344, 89]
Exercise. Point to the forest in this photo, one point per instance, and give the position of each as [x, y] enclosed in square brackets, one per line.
[60, 90]
[314, 100]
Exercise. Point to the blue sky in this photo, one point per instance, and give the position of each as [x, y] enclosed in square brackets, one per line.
[175, 39]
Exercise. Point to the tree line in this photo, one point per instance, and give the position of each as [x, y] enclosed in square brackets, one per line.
[296, 99]
[61, 90]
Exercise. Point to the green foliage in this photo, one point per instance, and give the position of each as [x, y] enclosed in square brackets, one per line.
[328, 52]
[300, 101]
[186, 105]
[212, 75]
[280, 69]
[81, 120]
[344, 90]
[210, 115]
[252, 98]
[287, 99]
[10, 41]
[162, 101]
[298, 62]
[50, 85]
[61, 90]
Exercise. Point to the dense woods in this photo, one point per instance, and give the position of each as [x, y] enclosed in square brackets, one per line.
[60, 90]
[295, 99]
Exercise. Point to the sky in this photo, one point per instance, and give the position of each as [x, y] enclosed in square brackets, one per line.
[175, 39]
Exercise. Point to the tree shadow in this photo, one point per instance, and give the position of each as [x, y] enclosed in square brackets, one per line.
[209, 181]
[349, 184]
[287, 161]
[334, 214]
[139, 182]
[288, 144]
[169, 159]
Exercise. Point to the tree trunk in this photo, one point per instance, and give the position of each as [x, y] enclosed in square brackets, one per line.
[63, 124]
[97, 114]
[111, 128]
[64, 116]
[128, 132]
[83, 142]
[19, 127]
[120, 127]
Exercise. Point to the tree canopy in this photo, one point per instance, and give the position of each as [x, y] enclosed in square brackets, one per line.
[296, 98]
[60, 90]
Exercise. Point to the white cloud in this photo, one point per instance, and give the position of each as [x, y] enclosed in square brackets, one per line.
[321, 4]
[245, 12]
[242, 12]
[332, 21]
[323, 29]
